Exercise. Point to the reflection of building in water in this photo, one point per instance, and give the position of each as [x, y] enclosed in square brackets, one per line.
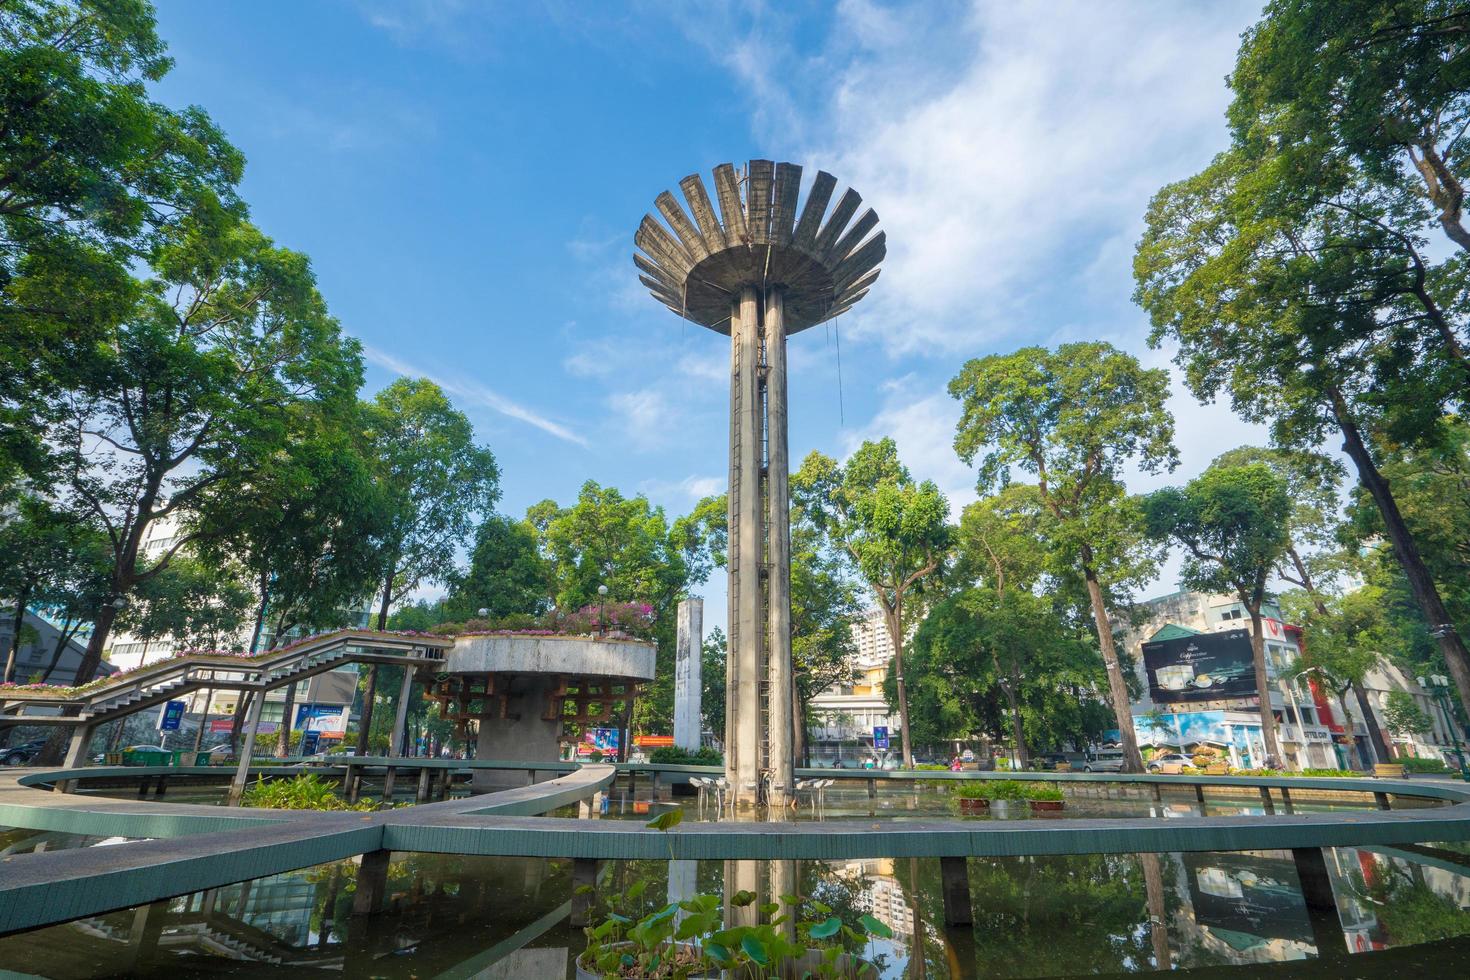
[1373, 886]
[1244, 907]
[883, 898]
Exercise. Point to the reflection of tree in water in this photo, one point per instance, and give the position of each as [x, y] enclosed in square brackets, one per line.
[1408, 909]
[1043, 916]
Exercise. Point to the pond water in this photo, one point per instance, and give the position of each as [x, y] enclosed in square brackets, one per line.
[916, 802]
[1398, 910]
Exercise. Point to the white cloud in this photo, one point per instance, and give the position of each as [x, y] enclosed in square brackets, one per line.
[1004, 150]
[921, 422]
[645, 417]
[477, 393]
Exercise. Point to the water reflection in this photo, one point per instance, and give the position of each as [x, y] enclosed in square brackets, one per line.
[1034, 917]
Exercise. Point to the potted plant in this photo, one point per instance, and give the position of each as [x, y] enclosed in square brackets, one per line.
[973, 797]
[1045, 797]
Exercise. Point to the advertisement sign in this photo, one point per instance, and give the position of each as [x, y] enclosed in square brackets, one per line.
[321, 718]
[1203, 667]
[653, 741]
[602, 739]
[880, 736]
[171, 716]
[310, 742]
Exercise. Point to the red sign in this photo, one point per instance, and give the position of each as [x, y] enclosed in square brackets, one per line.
[654, 741]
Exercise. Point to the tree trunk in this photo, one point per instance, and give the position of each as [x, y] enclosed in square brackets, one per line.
[1426, 593]
[365, 717]
[1375, 733]
[239, 721]
[1117, 686]
[895, 633]
[1305, 580]
[203, 718]
[259, 615]
[283, 734]
[1263, 688]
[20, 621]
[365, 720]
[101, 630]
[51, 753]
[799, 735]
[63, 639]
[1018, 734]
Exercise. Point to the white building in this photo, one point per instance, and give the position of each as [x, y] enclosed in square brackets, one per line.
[849, 710]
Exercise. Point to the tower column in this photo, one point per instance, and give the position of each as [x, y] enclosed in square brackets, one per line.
[746, 535]
[778, 555]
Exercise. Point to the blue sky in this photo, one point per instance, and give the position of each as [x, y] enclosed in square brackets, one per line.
[467, 176]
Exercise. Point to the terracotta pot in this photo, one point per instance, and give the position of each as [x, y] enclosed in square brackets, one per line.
[974, 806]
[1046, 806]
[640, 806]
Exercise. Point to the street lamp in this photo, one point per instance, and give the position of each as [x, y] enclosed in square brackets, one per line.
[601, 609]
[1439, 687]
[483, 612]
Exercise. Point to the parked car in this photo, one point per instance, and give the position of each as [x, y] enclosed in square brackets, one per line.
[19, 755]
[1105, 760]
[1050, 760]
[1158, 762]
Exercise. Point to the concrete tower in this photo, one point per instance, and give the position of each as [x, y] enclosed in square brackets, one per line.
[758, 272]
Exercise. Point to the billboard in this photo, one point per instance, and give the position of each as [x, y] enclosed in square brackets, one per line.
[1201, 667]
[880, 736]
[321, 717]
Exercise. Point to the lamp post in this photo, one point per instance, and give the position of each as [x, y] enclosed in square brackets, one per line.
[1439, 687]
[601, 609]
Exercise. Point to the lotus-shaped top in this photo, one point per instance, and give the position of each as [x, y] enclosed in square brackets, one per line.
[697, 267]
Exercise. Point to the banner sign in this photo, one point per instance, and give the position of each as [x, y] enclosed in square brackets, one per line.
[171, 716]
[880, 736]
[653, 741]
[1203, 667]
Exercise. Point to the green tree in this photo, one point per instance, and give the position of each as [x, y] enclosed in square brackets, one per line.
[194, 391]
[1232, 523]
[1314, 559]
[1384, 83]
[92, 171]
[197, 604]
[44, 546]
[1315, 316]
[436, 482]
[1345, 643]
[1403, 716]
[507, 574]
[1073, 418]
[892, 529]
[630, 546]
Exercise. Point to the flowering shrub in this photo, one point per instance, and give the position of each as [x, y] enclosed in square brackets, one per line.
[615, 619]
